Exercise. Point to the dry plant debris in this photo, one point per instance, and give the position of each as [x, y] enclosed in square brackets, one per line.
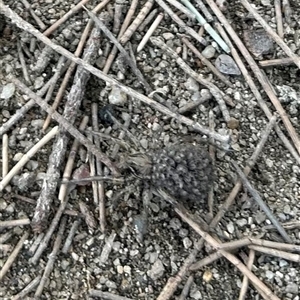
[122, 137]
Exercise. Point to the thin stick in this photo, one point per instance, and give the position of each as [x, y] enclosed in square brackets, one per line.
[66, 125]
[183, 9]
[26, 107]
[278, 13]
[186, 288]
[245, 283]
[212, 154]
[4, 155]
[73, 65]
[214, 243]
[29, 288]
[38, 21]
[128, 59]
[190, 105]
[70, 236]
[92, 161]
[13, 256]
[52, 257]
[28, 27]
[276, 62]
[63, 190]
[270, 31]
[13, 223]
[23, 64]
[126, 22]
[27, 156]
[277, 253]
[262, 204]
[206, 62]
[45, 241]
[35, 243]
[177, 20]
[88, 217]
[106, 295]
[258, 74]
[207, 26]
[148, 20]
[65, 17]
[137, 21]
[149, 32]
[253, 86]
[99, 167]
[205, 11]
[117, 17]
[206, 261]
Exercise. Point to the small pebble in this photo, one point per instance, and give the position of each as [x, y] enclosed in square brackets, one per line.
[18, 156]
[168, 36]
[7, 91]
[157, 270]
[192, 85]
[226, 65]
[209, 52]
[269, 274]
[117, 96]
[258, 42]
[38, 83]
[144, 143]
[187, 243]
[230, 227]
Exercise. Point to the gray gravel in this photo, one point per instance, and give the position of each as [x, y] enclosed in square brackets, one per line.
[138, 267]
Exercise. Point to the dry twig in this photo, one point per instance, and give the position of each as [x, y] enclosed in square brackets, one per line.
[23, 64]
[278, 13]
[277, 253]
[69, 239]
[262, 204]
[114, 51]
[276, 62]
[63, 190]
[206, 62]
[106, 295]
[186, 289]
[258, 74]
[99, 167]
[214, 243]
[13, 256]
[4, 155]
[29, 288]
[149, 33]
[252, 84]
[38, 21]
[271, 32]
[177, 20]
[26, 157]
[26, 26]
[65, 17]
[13, 223]
[73, 65]
[26, 107]
[245, 283]
[52, 257]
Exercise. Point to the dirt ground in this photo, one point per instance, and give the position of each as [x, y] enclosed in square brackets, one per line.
[146, 242]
